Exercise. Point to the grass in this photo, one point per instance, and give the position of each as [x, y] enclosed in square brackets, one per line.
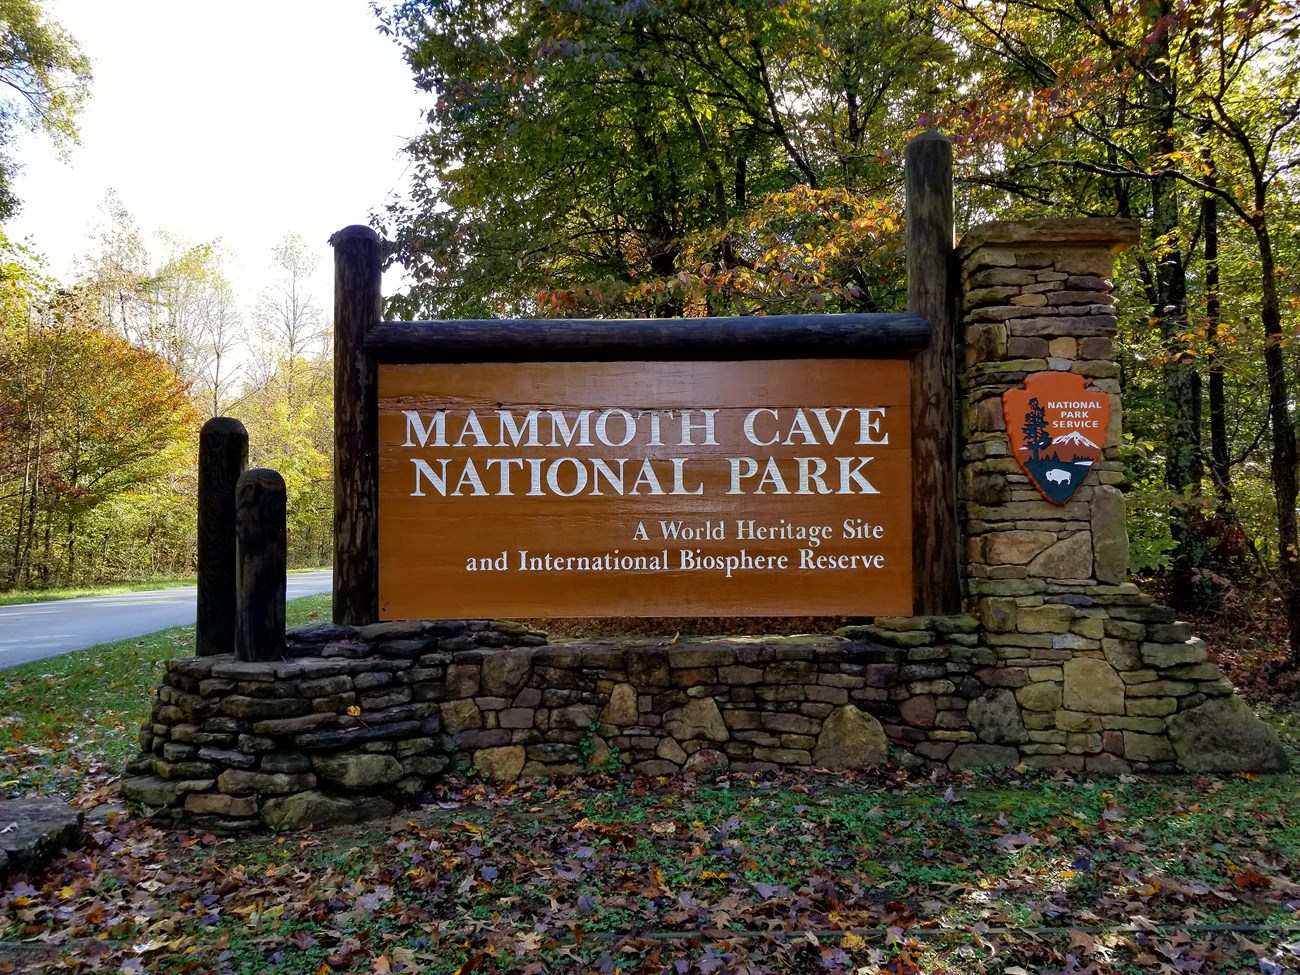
[69, 722]
[16, 597]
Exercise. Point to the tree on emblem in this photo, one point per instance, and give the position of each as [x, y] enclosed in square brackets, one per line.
[1035, 429]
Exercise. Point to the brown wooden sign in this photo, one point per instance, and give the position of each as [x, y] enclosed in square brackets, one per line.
[645, 489]
[1057, 429]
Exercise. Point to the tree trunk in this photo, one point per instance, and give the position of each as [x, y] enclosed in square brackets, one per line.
[20, 530]
[1283, 464]
[1182, 393]
[1220, 458]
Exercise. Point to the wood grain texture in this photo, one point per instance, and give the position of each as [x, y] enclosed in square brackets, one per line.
[261, 565]
[877, 336]
[498, 541]
[223, 456]
[357, 302]
[932, 294]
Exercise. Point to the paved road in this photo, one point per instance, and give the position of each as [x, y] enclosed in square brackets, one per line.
[34, 631]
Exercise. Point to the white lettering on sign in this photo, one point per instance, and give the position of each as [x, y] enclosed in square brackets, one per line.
[462, 471]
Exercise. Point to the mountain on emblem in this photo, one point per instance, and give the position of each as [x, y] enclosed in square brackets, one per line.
[1057, 428]
[1074, 437]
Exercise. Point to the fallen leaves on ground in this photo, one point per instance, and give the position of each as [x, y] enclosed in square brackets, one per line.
[885, 873]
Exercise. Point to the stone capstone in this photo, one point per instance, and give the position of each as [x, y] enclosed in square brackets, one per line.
[1173, 654]
[396, 630]
[1225, 735]
[320, 633]
[850, 739]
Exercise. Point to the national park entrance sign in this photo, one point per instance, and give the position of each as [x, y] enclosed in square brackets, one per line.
[755, 466]
[645, 488]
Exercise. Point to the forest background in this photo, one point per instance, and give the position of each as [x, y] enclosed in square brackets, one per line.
[596, 158]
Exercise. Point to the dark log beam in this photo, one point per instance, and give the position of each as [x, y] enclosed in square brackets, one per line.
[879, 336]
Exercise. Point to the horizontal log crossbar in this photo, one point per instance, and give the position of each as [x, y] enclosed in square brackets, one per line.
[858, 336]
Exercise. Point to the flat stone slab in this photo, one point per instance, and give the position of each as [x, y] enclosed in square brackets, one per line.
[33, 831]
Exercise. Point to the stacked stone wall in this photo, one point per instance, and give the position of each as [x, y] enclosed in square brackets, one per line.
[371, 718]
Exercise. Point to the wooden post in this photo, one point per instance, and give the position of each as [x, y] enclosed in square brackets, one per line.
[932, 294]
[223, 455]
[357, 307]
[262, 561]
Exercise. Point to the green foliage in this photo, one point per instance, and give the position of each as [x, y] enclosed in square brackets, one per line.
[606, 158]
[592, 759]
[290, 422]
[43, 82]
[1150, 537]
[177, 304]
[51, 595]
[104, 387]
[1184, 116]
[93, 432]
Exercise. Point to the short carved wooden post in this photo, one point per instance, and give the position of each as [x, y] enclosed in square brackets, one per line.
[223, 455]
[932, 294]
[357, 307]
[260, 579]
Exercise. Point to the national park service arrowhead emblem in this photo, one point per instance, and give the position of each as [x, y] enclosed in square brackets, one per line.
[1057, 428]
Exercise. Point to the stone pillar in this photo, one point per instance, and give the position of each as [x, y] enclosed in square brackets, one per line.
[1104, 678]
[1036, 297]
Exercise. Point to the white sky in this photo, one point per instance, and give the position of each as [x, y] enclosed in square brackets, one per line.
[241, 121]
